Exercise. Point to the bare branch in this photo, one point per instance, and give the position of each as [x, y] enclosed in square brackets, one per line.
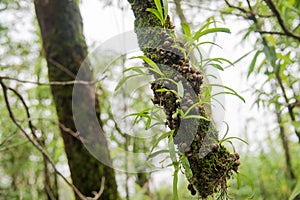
[8, 138]
[58, 83]
[61, 125]
[13, 146]
[271, 32]
[36, 143]
[31, 126]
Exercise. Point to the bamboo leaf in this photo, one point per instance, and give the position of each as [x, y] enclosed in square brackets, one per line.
[253, 62]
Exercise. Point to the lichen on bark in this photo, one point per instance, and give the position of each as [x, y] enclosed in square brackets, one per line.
[196, 138]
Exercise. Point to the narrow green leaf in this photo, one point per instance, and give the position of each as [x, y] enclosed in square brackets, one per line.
[176, 166]
[238, 180]
[156, 153]
[196, 117]
[206, 25]
[248, 180]
[227, 130]
[186, 29]
[166, 10]
[296, 192]
[137, 69]
[180, 89]
[175, 183]
[253, 62]
[190, 108]
[156, 13]
[148, 123]
[163, 136]
[271, 55]
[217, 66]
[228, 88]
[123, 80]
[237, 138]
[158, 6]
[172, 150]
[152, 64]
[211, 30]
[186, 165]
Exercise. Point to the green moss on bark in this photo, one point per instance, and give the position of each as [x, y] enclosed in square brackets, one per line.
[210, 162]
[65, 49]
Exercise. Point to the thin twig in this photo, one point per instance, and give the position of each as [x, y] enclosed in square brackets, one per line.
[58, 83]
[61, 125]
[35, 143]
[8, 138]
[271, 32]
[31, 126]
[13, 146]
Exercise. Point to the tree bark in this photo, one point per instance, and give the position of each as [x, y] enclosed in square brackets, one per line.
[196, 139]
[65, 48]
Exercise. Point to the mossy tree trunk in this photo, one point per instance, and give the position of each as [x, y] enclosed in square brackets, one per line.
[211, 163]
[65, 48]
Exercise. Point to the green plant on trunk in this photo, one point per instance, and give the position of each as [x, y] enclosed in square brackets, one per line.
[177, 89]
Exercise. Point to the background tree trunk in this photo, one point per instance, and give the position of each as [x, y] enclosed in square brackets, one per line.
[65, 48]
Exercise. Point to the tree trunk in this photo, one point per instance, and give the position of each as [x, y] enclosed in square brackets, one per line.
[65, 48]
[196, 139]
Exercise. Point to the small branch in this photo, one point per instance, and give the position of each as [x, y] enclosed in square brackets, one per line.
[36, 143]
[58, 83]
[31, 126]
[8, 138]
[276, 12]
[13, 146]
[271, 32]
[236, 7]
[62, 126]
[290, 109]
[294, 104]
